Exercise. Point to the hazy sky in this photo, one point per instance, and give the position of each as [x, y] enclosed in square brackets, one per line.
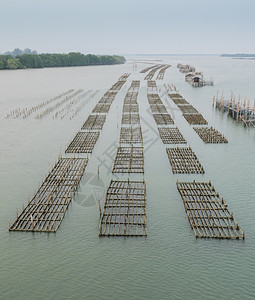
[128, 26]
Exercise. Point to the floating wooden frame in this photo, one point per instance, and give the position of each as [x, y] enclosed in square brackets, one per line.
[210, 135]
[195, 119]
[129, 160]
[175, 96]
[83, 142]
[101, 108]
[188, 109]
[163, 119]
[118, 85]
[124, 212]
[47, 208]
[158, 109]
[130, 119]
[179, 101]
[152, 84]
[94, 122]
[208, 215]
[130, 108]
[131, 135]
[184, 161]
[108, 97]
[161, 73]
[171, 136]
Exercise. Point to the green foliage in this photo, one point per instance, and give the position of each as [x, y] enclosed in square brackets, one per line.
[57, 60]
[13, 63]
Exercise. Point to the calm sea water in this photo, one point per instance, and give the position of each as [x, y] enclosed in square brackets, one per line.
[170, 263]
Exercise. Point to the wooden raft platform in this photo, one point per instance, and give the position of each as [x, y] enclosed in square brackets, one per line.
[179, 101]
[158, 108]
[208, 215]
[130, 119]
[108, 97]
[47, 209]
[163, 119]
[130, 135]
[210, 135]
[118, 85]
[184, 160]
[187, 109]
[101, 108]
[162, 71]
[130, 108]
[129, 160]
[195, 119]
[94, 122]
[83, 142]
[124, 212]
[171, 136]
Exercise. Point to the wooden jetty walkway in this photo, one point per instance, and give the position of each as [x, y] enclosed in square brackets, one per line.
[184, 161]
[47, 208]
[124, 211]
[207, 213]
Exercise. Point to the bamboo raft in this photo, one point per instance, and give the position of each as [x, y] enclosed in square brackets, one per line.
[208, 215]
[118, 85]
[129, 160]
[179, 101]
[210, 135]
[124, 212]
[131, 135]
[158, 108]
[47, 209]
[152, 72]
[124, 76]
[195, 119]
[187, 109]
[154, 99]
[161, 73]
[94, 122]
[131, 98]
[171, 136]
[152, 84]
[130, 108]
[130, 119]
[184, 161]
[163, 119]
[83, 142]
[148, 69]
[101, 108]
[108, 97]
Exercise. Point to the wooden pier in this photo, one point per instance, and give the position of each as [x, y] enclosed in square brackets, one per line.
[129, 160]
[210, 135]
[207, 213]
[184, 161]
[131, 135]
[94, 122]
[124, 212]
[47, 208]
[171, 136]
[83, 142]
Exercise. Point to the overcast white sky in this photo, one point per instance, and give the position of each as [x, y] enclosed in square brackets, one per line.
[128, 26]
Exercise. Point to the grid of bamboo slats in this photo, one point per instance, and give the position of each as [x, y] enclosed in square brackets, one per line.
[179, 101]
[101, 108]
[118, 85]
[187, 109]
[129, 160]
[152, 72]
[94, 122]
[163, 119]
[47, 209]
[130, 119]
[195, 119]
[184, 160]
[131, 135]
[124, 211]
[148, 69]
[158, 108]
[83, 142]
[130, 108]
[171, 136]
[162, 71]
[208, 215]
[124, 76]
[108, 97]
[131, 98]
[210, 135]
[154, 99]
